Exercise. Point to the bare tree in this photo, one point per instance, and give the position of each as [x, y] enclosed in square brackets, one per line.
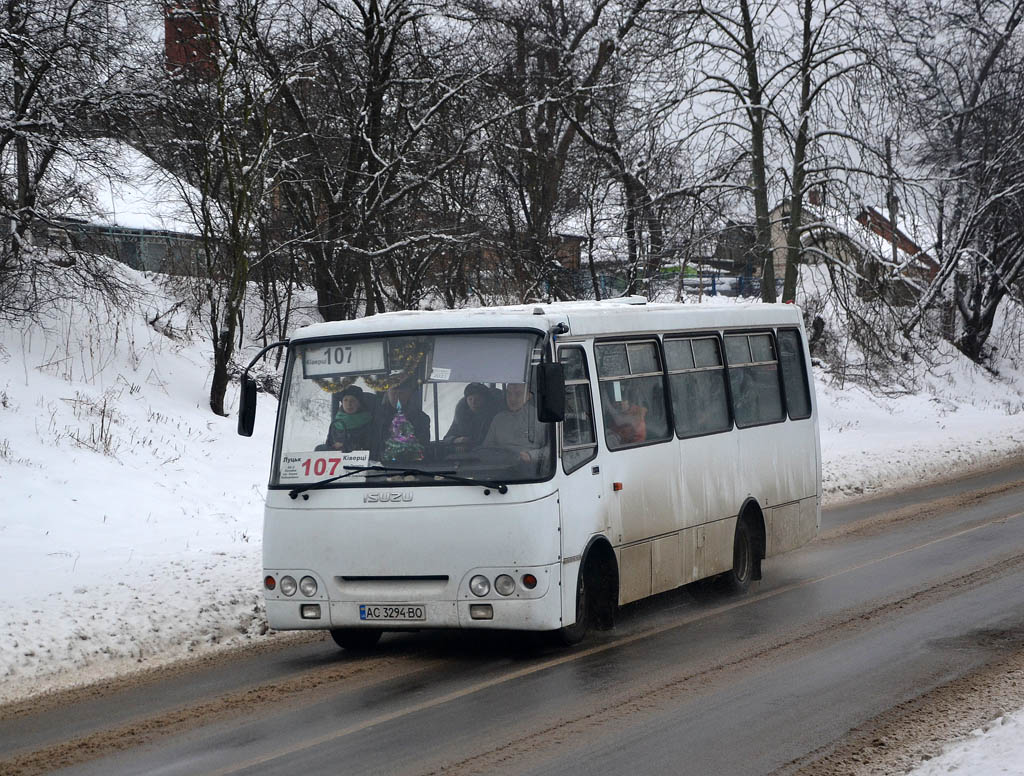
[551, 60]
[379, 79]
[831, 56]
[68, 75]
[970, 116]
[740, 44]
[223, 140]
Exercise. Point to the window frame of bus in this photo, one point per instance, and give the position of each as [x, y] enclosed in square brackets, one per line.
[695, 335]
[590, 391]
[293, 349]
[669, 417]
[778, 374]
[802, 368]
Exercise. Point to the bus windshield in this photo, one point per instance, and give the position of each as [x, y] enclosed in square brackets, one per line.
[429, 405]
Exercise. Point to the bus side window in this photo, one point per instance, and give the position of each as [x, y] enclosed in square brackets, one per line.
[754, 379]
[632, 394]
[697, 382]
[794, 374]
[579, 443]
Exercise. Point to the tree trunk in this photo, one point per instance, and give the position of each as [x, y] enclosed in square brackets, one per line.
[796, 201]
[756, 113]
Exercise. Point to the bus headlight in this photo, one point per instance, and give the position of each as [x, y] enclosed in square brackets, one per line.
[478, 585]
[505, 585]
[308, 586]
[288, 585]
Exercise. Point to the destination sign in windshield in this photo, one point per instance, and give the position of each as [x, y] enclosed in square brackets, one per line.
[343, 359]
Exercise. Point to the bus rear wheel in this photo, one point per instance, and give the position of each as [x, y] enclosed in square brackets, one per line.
[356, 639]
[737, 580]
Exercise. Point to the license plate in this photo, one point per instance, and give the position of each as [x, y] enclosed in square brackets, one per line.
[392, 612]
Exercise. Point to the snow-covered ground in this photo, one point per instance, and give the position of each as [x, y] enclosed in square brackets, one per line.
[996, 748]
[130, 525]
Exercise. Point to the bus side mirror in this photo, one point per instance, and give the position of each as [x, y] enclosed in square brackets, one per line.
[550, 392]
[247, 406]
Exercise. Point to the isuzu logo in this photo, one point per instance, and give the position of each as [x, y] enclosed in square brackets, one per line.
[393, 495]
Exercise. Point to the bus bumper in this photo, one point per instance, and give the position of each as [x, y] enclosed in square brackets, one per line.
[540, 611]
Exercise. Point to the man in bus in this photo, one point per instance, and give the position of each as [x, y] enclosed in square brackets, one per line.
[516, 428]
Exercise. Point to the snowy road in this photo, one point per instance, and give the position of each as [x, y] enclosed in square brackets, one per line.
[897, 598]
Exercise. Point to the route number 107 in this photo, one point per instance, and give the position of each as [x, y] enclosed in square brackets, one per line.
[339, 355]
[320, 466]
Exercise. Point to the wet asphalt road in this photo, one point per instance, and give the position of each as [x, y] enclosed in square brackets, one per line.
[893, 599]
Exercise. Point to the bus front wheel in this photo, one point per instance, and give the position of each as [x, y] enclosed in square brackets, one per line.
[575, 633]
[356, 639]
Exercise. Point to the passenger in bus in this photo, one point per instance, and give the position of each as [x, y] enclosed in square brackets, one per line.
[351, 425]
[516, 428]
[383, 427]
[473, 415]
[625, 420]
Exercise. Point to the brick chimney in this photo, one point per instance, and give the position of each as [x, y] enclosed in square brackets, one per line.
[190, 36]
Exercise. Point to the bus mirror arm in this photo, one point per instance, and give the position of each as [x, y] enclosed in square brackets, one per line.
[551, 381]
[247, 399]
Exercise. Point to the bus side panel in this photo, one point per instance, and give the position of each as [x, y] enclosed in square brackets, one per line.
[649, 502]
[792, 525]
[718, 540]
[778, 463]
[710, 490]
[667, 568]
[634, 572]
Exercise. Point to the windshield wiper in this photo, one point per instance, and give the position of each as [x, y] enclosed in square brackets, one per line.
[498, 486]
[294, 492]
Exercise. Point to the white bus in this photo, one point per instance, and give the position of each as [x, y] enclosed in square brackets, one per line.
[532, 468]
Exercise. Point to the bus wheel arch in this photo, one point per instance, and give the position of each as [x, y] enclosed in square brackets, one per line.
[602, 567]
[597, 592]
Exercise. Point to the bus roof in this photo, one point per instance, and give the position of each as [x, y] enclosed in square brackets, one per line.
[614, 316]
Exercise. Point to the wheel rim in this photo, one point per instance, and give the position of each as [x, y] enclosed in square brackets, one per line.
[741, 558]
[581, 600]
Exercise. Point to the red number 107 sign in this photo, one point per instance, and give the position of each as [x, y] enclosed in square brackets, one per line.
[306, 466]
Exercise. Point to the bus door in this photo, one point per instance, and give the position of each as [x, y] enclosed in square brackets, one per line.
[583, 506]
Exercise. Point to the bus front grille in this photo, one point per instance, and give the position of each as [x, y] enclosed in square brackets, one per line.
[424, 587]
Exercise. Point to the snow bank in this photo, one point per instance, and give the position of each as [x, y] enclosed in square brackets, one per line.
[996, 748]
[131, 520]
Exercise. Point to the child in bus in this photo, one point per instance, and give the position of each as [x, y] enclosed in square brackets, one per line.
[350, 428]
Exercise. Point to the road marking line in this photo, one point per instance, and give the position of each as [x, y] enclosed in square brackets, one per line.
[597, 649]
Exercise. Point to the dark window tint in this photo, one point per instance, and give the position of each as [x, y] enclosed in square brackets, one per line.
[579, 426]
[737, 350]
[643, 358]
[611, 360]
[579, 442]
[678, 354]
[761, 348]
[756, 395]
[634, 411]
[574, 363]
[706, 352]
[632, 393]
[794, 374]
[699, 401]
